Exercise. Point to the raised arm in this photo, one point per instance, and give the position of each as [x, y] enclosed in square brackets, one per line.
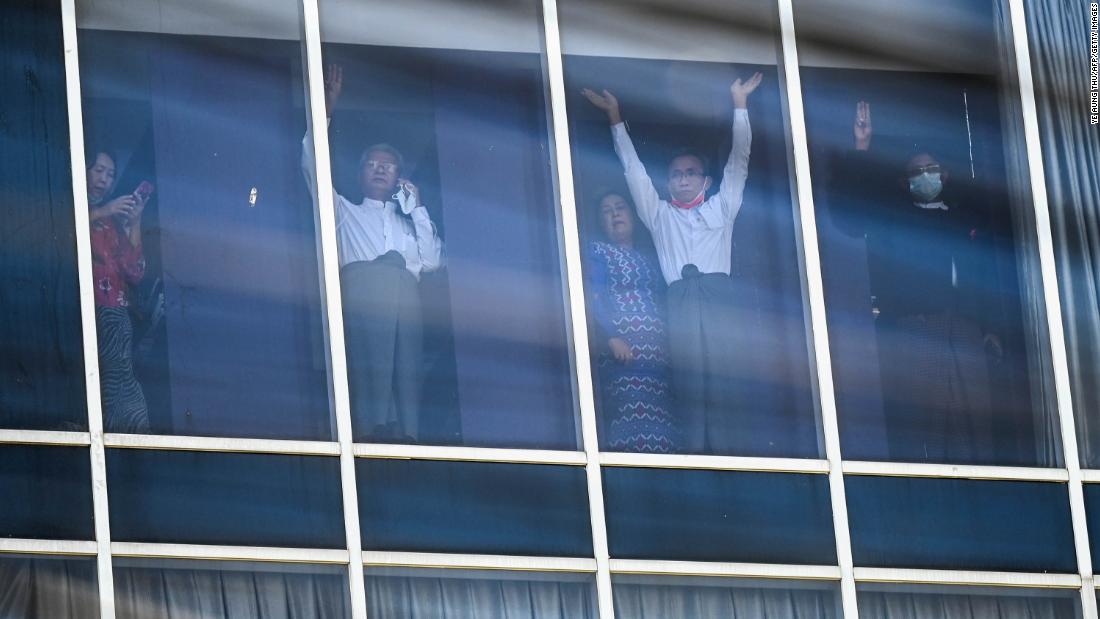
[334, 85]
[736, 171]
[642, 191]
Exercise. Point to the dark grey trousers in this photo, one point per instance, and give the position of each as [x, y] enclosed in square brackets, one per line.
[383, 329]
[704, 356]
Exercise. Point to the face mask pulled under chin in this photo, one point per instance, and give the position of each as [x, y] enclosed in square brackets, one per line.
[925, 187]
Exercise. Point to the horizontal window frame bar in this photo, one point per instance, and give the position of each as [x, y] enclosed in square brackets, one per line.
[1031, 580]
[262, 554]
[1090, 476]
[55, 438]
[80, 548]
[715, 463]
[374, 558]
[220, 444]
[954, 471]
[385, 451]
[726, 570]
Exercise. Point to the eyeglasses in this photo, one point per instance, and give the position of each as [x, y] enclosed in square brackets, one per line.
[679, 174]
[385, 166]
[933, 168]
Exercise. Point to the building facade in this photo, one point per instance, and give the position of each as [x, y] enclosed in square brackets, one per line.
[549, 309]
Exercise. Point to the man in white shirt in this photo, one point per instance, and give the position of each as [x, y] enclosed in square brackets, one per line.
[385, 243]
[693, 237]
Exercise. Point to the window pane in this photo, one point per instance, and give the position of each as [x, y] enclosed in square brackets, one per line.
[693, 273]
[930, 260]
[640, 597]
[45, 586]
[719, 516]
[453, 302]
[46, 492]
[474, 507]
[405, 593]
[203, 235]
[1092, 514]
[225, 498]
[960, 524]
[41, 350]
[154, 589]
[954, 602]
[1059, 42]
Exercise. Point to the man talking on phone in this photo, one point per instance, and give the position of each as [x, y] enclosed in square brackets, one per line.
[385, 242]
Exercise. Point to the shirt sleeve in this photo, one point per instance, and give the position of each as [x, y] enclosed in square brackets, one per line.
[646, 200]
[428, 244]
[131, 262]
[309, 165]
[724, 209]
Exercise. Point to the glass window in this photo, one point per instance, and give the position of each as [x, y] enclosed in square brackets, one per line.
[46, 586]
[1092, 515]
[192, 497]
[159, 589]
[895, 601]
[718, 516]
[453, 297]
[41, 348]
[203, 236]
[46, 492]
[407, 593]
[960, 524]
[693, 260]
[474, 507]
[1068, 102]
[640, 597]
[929, 255]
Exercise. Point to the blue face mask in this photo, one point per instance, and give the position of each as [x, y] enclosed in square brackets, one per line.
[925, 187]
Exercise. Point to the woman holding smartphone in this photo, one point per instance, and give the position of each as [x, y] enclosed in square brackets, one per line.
[117, 265]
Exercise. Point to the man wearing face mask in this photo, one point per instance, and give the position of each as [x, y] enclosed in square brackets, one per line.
[385, 242]
[693, 236]
[931, 273]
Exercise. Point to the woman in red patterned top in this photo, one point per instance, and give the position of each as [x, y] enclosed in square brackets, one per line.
[117, 264]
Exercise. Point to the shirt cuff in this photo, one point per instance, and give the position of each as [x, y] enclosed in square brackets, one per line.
[420, 215]
[741, 111]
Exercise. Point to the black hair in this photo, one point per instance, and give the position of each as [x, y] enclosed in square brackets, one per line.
[691, 152]
[93, 151]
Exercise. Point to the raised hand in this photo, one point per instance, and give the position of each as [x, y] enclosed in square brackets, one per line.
[861, 126]
[606, 102]
[740, 90]
[334, 85]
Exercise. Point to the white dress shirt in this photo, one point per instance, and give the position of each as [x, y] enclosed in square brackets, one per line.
[703, 235]
[371, 228]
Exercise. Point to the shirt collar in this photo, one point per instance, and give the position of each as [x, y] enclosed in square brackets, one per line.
[938, 204]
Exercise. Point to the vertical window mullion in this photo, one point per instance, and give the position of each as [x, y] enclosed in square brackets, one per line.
[105, 575]
[334, 320]
[1048, 265]
[816, 298]
[578, 316]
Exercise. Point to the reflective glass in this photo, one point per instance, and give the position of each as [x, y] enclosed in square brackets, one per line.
[641, 597]
[960, 524]
[929, 254]
[41, 350]
[406, 593]
[694, 515]
[693, 268]
[189, 497]
[47, 586]
[474, 507]
[450, 272]
[46, 492]
[1092, 514]
[203, 236]
[160, 589]
[1069, 113]
[954, 602]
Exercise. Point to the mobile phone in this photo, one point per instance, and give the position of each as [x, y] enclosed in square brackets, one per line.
[144, 190]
